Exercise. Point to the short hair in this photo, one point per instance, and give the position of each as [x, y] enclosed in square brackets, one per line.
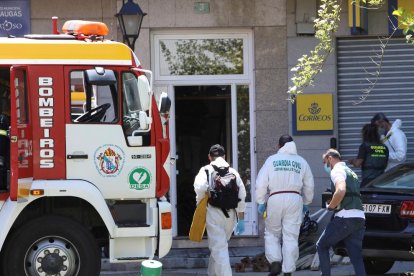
[332, 152]
[284, 139]
[217, 150]
[379, 117]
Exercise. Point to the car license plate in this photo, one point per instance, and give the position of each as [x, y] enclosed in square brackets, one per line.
[377, 209]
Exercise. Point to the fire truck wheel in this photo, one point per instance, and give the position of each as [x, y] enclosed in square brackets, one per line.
[51, 245]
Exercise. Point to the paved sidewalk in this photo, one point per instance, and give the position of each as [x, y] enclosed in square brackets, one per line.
[399, 269]
[340, 270]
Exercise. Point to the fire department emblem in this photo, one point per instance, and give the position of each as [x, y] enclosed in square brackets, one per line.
[109, 160]
[139, 179]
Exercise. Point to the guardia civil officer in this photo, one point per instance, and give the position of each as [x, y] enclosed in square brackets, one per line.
[220, 223]
[348, 223]
[287, 180]
[372, 155]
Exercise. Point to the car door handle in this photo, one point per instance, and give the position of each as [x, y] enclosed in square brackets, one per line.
[77, 156]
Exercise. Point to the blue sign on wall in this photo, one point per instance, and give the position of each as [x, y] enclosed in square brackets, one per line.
[14, 17]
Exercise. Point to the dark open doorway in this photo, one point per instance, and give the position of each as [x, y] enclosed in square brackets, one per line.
[202, 118]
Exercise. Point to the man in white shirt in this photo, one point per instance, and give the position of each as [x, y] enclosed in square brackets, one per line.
[348, 223]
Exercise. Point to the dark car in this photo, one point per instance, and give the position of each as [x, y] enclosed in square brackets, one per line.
[389, 210]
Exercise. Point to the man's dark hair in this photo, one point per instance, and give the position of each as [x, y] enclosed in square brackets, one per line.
[284, 139]
[217, 150]
[379, 117]
[370, 134]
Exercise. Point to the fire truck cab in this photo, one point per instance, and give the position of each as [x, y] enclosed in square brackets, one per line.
[84, 155]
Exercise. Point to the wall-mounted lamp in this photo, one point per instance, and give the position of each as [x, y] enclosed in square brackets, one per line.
[130, 18]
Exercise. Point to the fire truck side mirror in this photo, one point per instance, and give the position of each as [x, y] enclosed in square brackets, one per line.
[164, 104]
[144, 92]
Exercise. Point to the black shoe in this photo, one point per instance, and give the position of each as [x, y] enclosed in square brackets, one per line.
[287, 274]
[275, 268]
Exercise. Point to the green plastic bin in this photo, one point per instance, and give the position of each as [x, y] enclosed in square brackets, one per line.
[151, 268]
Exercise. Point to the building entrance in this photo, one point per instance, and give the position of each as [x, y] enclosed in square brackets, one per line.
[202, 118]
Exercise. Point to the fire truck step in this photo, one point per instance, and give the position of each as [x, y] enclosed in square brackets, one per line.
[127, 225]
[132, 258]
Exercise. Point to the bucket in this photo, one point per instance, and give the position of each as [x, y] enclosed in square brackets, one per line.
[151, 268]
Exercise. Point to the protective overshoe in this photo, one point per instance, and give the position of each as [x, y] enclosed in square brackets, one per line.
[275, 268]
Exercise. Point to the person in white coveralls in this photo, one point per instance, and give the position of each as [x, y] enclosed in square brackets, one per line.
[220, 223]
[284, 188]
[393, 137]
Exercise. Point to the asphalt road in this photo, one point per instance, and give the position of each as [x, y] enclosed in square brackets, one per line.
[399, 268]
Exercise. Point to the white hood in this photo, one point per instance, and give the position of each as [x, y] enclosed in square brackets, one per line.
[220, 162]
[288, 148]
[397, 124]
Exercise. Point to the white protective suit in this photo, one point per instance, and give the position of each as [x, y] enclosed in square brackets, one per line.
[284, 171]
[396, 142]
[219, 228]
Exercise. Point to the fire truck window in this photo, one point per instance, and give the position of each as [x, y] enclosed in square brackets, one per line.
[130, 91]
[130, 103]
[132, 109]
[92, 103]
[21, 97]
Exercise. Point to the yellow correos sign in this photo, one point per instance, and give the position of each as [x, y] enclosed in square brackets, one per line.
[314, 112]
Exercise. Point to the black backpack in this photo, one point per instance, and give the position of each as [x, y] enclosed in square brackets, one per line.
[224, 192]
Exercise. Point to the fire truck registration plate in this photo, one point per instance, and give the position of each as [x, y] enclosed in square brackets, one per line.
[377, 208]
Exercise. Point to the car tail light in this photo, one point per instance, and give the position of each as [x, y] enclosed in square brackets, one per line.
[407, 209]
[166, 222]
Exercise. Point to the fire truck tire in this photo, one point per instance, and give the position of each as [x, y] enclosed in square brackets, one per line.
[49, 245]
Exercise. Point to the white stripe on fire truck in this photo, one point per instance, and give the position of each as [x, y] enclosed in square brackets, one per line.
[65, 61]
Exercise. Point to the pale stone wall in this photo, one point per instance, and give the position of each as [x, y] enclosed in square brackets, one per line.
[41, 12]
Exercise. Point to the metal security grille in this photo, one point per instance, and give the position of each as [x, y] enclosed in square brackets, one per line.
[393, 93]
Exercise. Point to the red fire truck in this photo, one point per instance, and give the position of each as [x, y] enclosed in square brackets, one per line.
[84, 155]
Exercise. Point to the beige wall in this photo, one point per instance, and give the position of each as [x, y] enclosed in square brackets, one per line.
[94, 10]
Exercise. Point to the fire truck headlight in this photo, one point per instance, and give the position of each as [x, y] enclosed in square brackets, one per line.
[37, 192]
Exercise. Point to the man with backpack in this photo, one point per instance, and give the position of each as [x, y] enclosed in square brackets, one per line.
[286, 182]
[225, 209]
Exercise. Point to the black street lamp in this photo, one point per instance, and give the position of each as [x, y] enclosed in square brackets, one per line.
[130, 18]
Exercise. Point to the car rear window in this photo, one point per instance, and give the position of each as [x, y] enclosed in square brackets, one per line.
[401, 178]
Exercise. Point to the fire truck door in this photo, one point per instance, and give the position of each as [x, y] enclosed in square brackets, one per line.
[96, 147]
[21, 161]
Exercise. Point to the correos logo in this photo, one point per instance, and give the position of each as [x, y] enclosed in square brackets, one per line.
[139, 179]
[314, 115]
